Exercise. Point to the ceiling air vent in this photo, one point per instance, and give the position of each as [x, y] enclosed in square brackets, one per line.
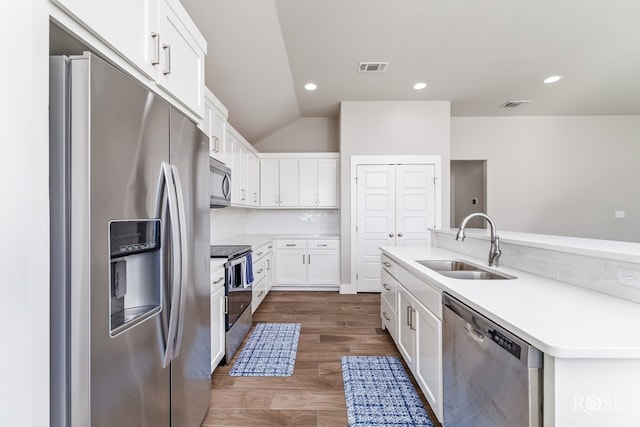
[372, 67]
[514, 104]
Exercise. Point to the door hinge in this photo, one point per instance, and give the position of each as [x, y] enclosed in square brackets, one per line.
[356, 276]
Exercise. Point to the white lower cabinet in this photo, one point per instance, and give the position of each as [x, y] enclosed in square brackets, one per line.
[262, 274]
[418, 333]
[218, 304]
[307, 262]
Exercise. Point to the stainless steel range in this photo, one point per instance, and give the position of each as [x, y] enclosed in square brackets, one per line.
[238, 291]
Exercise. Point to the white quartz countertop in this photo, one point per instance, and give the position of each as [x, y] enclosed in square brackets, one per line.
[258, 240]
[561, 320]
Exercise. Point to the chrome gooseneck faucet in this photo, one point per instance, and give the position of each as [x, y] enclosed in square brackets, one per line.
[494, 251]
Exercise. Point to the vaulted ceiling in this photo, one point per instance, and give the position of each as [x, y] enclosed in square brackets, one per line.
[478, 54]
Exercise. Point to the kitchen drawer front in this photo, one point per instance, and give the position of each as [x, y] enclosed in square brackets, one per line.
[323, 244]
[430, 297]
[216, 280]
[259, 270]
[291, 244]
[390, 265]
[259, 292]
[389, 318]
[260, 252]
[389, 289]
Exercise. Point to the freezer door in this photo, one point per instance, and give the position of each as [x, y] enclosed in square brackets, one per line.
[190, 368]
[119, 138]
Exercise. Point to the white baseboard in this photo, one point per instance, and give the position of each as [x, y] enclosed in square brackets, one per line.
[348, 288]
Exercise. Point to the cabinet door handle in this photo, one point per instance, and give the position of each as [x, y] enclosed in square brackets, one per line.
[413, 317]
[268, 264]
[303, 258]
[167, 52]
[409, 316]
[156, 44]
[386, 264]
[387, 287]
[309, 258]
[217, 145]
[226, 304]
[385, 315]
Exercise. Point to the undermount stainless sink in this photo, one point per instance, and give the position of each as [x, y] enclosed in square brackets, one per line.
[457, 269]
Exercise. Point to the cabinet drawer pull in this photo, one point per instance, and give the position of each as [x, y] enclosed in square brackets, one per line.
[387, 287]
[323, 245]
[156, 42]
[167, 51]
[260, 294]
[413, 323]
[386, 316]
[291, 245]
[409, 316]
[259, 271]
[258, 254]
[218, 280]
[386, 264]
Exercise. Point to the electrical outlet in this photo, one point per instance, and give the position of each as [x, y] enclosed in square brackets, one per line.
[629, 277]
[619, 214]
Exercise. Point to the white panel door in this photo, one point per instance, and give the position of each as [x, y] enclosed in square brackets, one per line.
[323, 267]
[375, 222]
[406, 335]
[415, 204]
[291, 267]
[269, 182]
[288, 195]
[327, 183]
[254, 180]
[428, 357]
[308, 191]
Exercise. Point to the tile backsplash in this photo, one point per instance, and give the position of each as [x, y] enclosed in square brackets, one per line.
[589, 272]
[231, 221]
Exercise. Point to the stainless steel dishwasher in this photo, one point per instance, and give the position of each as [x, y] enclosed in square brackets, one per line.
[492, 378]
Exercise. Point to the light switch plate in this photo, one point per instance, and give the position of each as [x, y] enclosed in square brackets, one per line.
[629, 277]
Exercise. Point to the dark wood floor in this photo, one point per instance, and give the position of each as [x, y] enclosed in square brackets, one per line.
[333, 326]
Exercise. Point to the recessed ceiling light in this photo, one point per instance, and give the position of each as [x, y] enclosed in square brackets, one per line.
[552, 79]
[419, 86]
[311, 86]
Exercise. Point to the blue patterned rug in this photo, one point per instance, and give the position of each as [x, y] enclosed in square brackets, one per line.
[379, 393]
[270, 351]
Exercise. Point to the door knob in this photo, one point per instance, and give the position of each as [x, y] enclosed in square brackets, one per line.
[399, 234]
[390, 234]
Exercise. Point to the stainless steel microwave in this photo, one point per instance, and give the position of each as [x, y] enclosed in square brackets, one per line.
[219, 184]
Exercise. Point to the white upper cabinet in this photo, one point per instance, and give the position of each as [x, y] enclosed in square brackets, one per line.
[318, 183]
[178, 52]
[245, 169]
[124, 25]
[214, 125]
[279, 183]
[157, 37]
[299, 180]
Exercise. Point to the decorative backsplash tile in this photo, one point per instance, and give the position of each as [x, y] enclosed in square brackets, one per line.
[589, 272]
[232, 221]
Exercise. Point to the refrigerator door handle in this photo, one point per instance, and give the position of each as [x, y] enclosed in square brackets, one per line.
[167, 185]
[184, 257]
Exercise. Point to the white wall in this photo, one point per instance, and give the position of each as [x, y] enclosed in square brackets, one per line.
[305, 135]
[557, 175]
[395, 128]
[24, 217]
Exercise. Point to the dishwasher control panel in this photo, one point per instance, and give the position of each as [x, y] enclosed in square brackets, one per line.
[505, 342]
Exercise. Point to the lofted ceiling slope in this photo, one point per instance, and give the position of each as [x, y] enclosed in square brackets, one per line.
[478, 54]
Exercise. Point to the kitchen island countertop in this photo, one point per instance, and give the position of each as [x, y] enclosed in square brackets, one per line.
[562, 320]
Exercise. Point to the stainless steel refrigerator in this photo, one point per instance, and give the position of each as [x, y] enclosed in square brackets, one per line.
[130, 313]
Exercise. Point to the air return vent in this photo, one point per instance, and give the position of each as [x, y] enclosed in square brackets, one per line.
[514, 104]
[372, 67]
